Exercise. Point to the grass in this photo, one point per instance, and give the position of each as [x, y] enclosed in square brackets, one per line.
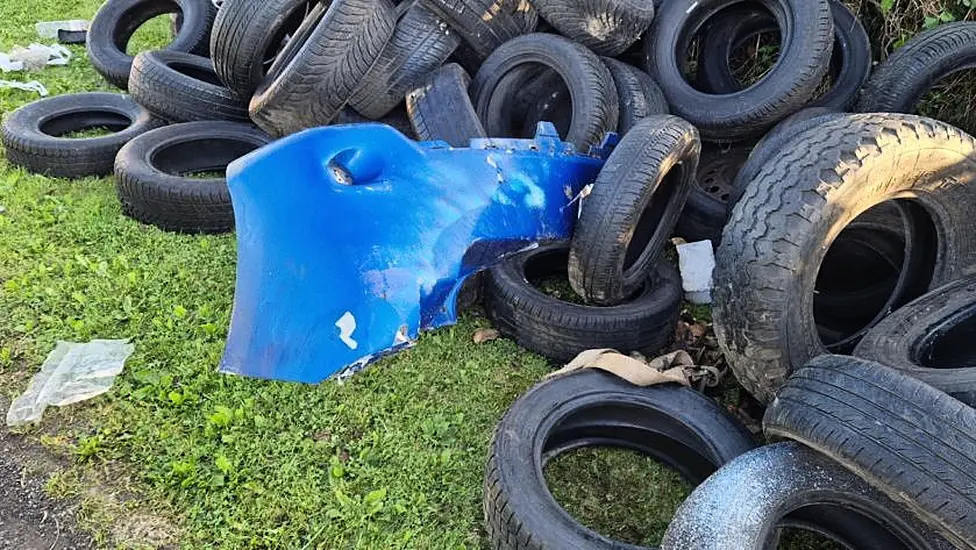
[391, 459]
[617, 492]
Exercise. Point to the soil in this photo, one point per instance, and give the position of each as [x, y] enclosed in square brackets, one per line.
[29, 519]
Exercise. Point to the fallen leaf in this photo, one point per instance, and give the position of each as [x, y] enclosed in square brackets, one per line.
[483, 335]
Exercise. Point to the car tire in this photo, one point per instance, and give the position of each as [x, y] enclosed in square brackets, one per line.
[631, 210]
[421, 43]
[931, 339]
[819, 183]
[706, 210]
[769, 146]
[248, 35]
[608, 27]
[906, 438]
[440, 109]
[789, 86]
[316, 73]
[595, 106]
[153, 175]
[559, 329]
[850, 60]
[677, 426]
[33, 134]
[748, 501]
[117, 20]
[182, 87]
[485, 25]
[638, 95]
[898, 83]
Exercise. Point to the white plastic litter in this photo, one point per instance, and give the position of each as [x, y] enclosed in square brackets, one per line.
[71, 373]
[7, 65]
[32, 86]
[34, 57]
[696, 262]
[49, 29]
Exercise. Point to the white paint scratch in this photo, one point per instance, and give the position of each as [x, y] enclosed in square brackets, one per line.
[347, 325]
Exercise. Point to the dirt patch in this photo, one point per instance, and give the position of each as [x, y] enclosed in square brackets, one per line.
[29, 519]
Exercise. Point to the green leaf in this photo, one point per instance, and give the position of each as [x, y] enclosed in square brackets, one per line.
[375, 496]
[222, 416]
[223, 464]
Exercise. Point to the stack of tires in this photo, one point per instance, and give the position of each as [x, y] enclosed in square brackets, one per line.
[844, 295]
[836, 233]
[172, 136]
[629, 293]
[870, 451]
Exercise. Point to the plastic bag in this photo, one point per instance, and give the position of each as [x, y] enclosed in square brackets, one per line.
[49, 29]
[71, 373]
[32, 86]
[34, 57]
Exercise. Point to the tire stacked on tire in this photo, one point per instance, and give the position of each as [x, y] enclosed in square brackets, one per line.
[158, 168]
[173, 177]
[631, 294]
[822, 40]
[769, 288]
[836, 233]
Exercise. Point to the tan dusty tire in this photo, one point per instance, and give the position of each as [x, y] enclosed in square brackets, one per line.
[781, 230]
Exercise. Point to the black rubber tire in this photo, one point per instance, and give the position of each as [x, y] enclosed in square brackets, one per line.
[743, 505]
[638, 95]
[440, 109]
[788, 86]
[770, 145]
[931, 339]
[420, 45]
[182, 87]
[706, 209]
[248, 35]
[398, 119]
[30, 134]
[485, 24]
[466, 57]
[560, 330]
[898, 84]
[778, 234]
[866, 260]
[320, 67]
[725, 33]
[152, 175]
[676, 426]
[850, 58]
[544, 97]
[908, 439]
[526, 17]
[117, 20]
[594, 97]
[608, 27]
[630, 213]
